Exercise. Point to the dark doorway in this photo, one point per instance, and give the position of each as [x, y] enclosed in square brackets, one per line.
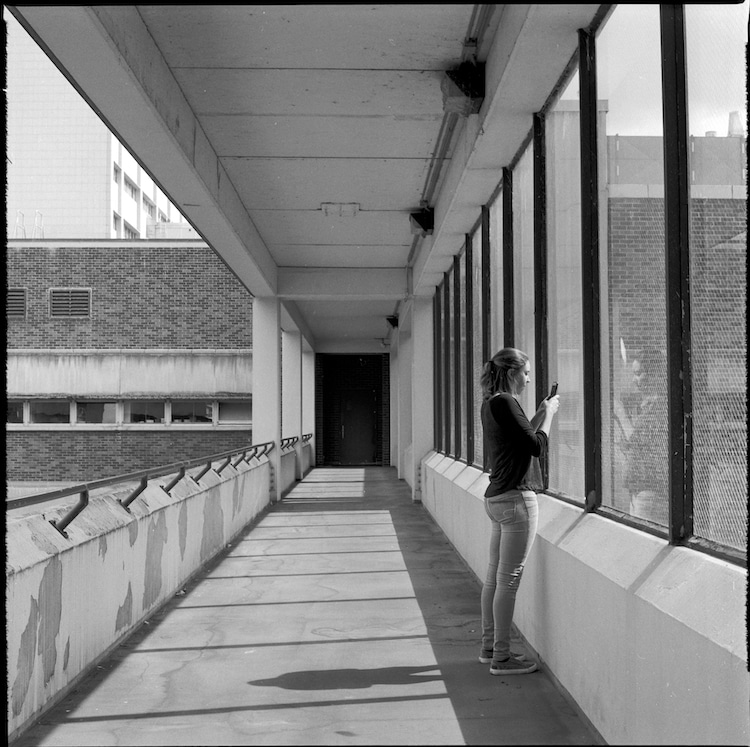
[352, 409]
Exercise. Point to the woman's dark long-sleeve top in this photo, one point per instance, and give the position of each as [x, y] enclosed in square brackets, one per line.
[509, 442]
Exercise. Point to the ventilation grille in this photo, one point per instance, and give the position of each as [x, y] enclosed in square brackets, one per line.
[70, 302]
[15, 303]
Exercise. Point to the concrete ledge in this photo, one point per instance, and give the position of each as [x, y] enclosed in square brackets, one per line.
[647, 638]
[75, 599]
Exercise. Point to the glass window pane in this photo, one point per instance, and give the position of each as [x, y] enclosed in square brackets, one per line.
[438, 321]
[462, 363]
[144, 411]
[715, 39]
[631, 260]
[54, 411]
[192, 411]
[96, 412]
[564, 291]
[235, 411]
[478, 320]
[523, 270]
[15, 411]
[497, 314]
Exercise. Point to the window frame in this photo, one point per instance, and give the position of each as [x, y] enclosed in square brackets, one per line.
[677, 285]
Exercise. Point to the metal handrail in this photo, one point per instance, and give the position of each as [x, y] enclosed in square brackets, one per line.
[287, 443]
[84, 489]
[306, 437]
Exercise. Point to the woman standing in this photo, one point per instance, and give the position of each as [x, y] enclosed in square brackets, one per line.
[510, 442]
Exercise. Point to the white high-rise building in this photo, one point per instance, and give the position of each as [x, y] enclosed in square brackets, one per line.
[68, 177]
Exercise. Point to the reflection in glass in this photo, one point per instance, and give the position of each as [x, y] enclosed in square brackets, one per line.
[15, 411]
[497, 335]
[54, 411]
[632, 263]
[462, 357]
[192, 411]
[96, 412]
[235, 411]
[715, 40]
[144, 411]
[477, 362]
[565, 320]
[450, 432]
[523, 270]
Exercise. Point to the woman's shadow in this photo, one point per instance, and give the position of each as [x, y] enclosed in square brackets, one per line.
[349, 679]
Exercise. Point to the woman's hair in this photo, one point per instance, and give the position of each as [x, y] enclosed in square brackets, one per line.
[500, 369]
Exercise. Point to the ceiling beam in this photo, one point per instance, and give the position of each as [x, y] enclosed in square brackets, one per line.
[341, 284]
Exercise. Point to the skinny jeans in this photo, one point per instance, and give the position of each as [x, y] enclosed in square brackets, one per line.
[514, 516]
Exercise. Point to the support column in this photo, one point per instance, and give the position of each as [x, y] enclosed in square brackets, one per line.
[267, 380]
[404, 368]
[422, 412]
[291, 392]
[308, 394]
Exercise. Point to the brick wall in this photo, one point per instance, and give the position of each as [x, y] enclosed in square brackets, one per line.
[637, 270]
[93, 455]
[142, 297]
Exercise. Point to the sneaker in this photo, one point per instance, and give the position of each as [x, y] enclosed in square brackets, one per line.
[512, 665]
[485, 657]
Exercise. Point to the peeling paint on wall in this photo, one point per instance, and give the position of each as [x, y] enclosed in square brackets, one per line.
[182, 523]
[50, 614]
[44, 544]
[133, 532]
[125, 611]
[157, 538]
[213, 529]
[103, 546]
[26, 657]
[236, 496]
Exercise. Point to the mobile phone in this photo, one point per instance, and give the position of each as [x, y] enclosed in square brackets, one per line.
[553, 391]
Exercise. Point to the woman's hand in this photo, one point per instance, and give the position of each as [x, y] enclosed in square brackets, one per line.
[549, 406]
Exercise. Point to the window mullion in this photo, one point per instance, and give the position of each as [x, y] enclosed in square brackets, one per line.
[446, 365]
[508, 312]
[469, 332]
[590, 271]
[456, 356]
[677, 268]
[540, 260]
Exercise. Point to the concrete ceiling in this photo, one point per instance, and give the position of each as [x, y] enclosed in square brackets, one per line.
[253, 117]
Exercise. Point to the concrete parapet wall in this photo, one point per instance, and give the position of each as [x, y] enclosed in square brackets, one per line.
[73, 600]
[288, 472]
[306, 458]
[647, 638]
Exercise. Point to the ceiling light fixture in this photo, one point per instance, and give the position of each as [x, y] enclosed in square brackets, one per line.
[340, 209]
[423, 222]
[463, 88]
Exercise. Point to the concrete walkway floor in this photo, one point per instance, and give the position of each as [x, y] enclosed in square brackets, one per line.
[343, 616]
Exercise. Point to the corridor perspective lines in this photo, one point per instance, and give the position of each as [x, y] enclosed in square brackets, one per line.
[342, 616]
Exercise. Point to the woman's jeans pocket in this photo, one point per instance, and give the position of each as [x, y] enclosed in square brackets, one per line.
[502, 511]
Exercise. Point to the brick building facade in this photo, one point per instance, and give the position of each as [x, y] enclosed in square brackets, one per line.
[167, 326]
